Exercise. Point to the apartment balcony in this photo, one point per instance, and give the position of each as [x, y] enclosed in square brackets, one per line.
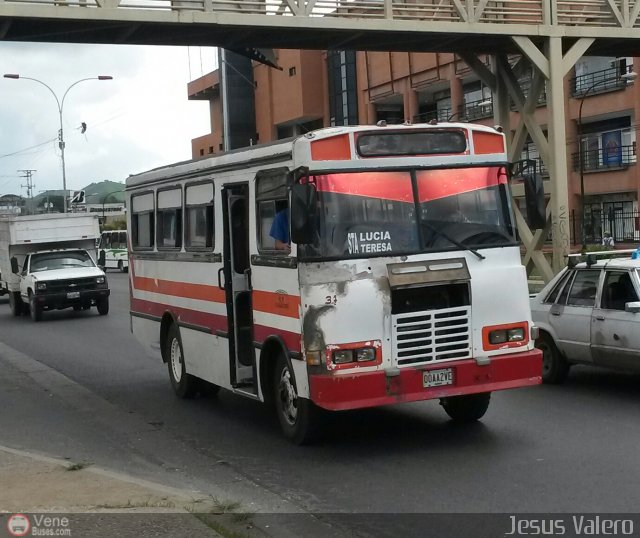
[618, 158]
[597, 82]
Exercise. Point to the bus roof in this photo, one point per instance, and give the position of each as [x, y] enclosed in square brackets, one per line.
[334, 147]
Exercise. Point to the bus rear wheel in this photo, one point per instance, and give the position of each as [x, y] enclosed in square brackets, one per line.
[298, 417]
[468, 408]
[184, 385]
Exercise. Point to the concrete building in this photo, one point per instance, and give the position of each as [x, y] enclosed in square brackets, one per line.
[316, 89]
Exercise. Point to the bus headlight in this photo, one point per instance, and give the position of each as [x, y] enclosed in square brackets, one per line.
[41, 286]
[500, 336]
[343, 356]
[365, 354]
[354, 354]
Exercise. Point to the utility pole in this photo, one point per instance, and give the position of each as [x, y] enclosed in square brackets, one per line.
[29, 186]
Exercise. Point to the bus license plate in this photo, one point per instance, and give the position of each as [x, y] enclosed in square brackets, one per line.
[73, 295]
[437, 378]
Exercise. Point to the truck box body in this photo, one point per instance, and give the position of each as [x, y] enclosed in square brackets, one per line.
[22, 235]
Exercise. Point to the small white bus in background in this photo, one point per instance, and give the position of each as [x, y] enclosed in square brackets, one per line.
[112, 250]
[351, 267]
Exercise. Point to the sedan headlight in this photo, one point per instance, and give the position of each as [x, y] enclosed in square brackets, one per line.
[41, 286]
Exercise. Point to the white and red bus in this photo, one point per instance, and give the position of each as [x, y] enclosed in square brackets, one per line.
[401, 280]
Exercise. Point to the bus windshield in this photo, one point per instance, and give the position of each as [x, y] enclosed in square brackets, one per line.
[389, 213]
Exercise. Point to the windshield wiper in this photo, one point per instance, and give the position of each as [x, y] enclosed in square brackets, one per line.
[454, 241]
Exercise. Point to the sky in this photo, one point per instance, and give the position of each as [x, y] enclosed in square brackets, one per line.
[140, 120]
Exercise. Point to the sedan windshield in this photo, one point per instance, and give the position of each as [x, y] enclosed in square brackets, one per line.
[365, 214]
[59, 260]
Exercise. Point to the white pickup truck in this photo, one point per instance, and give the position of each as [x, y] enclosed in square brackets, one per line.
[47, 262]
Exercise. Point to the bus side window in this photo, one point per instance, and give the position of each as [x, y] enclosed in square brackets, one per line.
[142, 222]
[199, 224]
[272, 201]
[122, 239]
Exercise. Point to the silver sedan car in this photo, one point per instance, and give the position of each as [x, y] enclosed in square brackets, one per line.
[589, 314]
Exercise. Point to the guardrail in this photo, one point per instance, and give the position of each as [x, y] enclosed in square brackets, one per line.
[570, 13]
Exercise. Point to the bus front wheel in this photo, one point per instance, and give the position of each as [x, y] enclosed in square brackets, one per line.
[298, 417]
[184, 384]
[468, 408]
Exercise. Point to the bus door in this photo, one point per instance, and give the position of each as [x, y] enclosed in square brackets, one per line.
[237, 273]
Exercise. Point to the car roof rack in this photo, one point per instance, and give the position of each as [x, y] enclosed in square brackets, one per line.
[593, 257]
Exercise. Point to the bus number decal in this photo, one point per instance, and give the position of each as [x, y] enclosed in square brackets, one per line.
[331, 299]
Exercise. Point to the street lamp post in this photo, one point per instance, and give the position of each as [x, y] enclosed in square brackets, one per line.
[630, 77]
[60, 104]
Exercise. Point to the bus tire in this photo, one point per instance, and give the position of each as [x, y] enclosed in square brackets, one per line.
[121, 267]
[467, 408]
[103, 306]
[298, 417]
[184, 385]
[34, 308]
[555, 367]
[15, 303]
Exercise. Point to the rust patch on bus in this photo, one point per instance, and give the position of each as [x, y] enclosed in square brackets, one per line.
[312, 333]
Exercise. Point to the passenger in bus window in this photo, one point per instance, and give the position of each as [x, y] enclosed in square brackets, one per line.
[280, 230]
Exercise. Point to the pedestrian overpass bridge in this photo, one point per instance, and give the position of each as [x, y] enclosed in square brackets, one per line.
[550, 35]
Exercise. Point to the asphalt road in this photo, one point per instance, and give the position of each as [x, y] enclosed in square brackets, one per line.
[569, 448]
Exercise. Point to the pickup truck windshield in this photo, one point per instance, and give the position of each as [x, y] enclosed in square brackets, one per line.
[48, 261]
[388, 213]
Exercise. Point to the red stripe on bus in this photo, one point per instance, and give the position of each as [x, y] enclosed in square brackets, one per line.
[213, 322]
[396, 186]
[292, 340]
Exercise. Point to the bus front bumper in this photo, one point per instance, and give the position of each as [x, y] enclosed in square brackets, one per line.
[358, 390]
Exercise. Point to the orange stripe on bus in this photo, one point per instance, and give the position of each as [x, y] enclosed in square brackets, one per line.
[336, 148]
[180, 289]
[280, 304]
[484, 143]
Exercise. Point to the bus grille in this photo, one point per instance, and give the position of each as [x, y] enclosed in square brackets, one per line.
[431, 336]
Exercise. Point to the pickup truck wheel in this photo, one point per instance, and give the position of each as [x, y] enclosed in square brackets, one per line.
[185, 385]
[103, 306]
[555, 367]
[468, 408]
[15, 303]
[34, 308]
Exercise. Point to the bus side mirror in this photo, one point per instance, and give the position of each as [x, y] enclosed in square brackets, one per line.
[534, 200]
[14, 265]
[526, 171]
[303, 213]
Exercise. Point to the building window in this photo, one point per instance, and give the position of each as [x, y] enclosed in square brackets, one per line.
[199, 217]
[210, 149]
[201, 152]
[605, 145]
[271, 201]
[343, 100]
[169, 219]
[292, 71]
[142, 221]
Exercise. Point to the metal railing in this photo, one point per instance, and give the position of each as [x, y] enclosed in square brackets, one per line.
[604, 158]
[597, 82]
[571, 13]
[475, 110]
[624, 227]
